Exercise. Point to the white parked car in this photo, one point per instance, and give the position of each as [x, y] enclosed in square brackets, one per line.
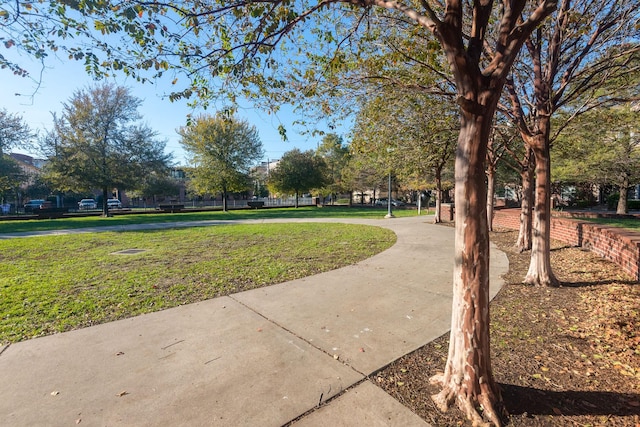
[86, 204]
[114, 204]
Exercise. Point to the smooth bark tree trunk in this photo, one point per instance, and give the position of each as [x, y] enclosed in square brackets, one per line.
[523, 243]
[437, 218]
[540, 272]
[468, 378]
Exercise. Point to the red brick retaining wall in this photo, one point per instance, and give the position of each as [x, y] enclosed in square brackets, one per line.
[617, 245]
[446, 212]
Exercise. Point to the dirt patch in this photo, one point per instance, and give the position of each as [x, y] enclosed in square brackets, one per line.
[567, 356]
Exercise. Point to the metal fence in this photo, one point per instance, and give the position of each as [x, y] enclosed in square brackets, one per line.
[231, 203]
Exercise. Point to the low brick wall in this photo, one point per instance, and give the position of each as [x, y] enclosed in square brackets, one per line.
[617, 245]
[447, 212]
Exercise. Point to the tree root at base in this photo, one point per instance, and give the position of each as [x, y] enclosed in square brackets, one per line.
[467, 403]
[537, 280]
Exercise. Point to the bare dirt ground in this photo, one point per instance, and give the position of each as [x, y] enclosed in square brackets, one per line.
[566, 356]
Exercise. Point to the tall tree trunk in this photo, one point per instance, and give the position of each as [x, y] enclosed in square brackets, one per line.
[224, 200]
[296, 204]
[540, 272]
[437, 218]
[523, 243]
[105, 206]
[623, 190]
[468, 378]
[491, 180]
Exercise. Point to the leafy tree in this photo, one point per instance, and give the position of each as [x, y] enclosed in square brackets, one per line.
[259, 175]
[427, 126]
[38, 187]
[245, 52]
[499, 145]
[336, 156]
[222, 150]
[374, 146]
[237, 44]
[567, 65]
[373, 135]
[156, 184]
[38, 30]
[521, 161]
[298, 172]
[14, 132]
[361, 174]
[615, 153]
[415, 132]
[24, 30]
[11, 176]
[97, 143]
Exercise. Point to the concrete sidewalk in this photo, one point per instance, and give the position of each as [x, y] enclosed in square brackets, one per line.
[264, 357]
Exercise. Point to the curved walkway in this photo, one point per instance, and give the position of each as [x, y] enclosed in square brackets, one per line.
[262, 357]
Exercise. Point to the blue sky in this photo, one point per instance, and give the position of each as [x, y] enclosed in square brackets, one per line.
[62, 78]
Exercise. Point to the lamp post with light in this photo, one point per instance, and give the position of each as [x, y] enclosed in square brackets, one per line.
[389, 213]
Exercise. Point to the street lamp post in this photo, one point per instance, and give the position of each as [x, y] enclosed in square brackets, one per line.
[389, 213]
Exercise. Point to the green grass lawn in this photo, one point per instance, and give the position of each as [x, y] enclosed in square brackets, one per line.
[58, 283]
[628, 223]
[133, 218]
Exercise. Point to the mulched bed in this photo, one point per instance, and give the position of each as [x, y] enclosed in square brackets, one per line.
[566, 356]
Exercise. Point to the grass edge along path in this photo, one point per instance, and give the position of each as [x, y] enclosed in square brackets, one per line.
[53, 284]
[17, 226]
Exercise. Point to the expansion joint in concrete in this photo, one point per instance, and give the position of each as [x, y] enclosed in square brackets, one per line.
[289, 331]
